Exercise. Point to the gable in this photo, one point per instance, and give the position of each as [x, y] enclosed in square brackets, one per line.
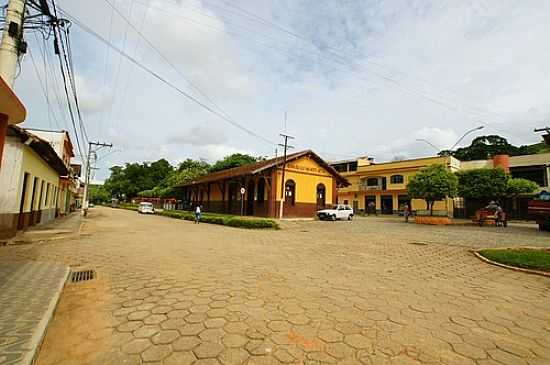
[306, 164]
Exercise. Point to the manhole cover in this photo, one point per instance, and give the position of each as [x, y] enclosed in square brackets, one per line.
[79, 276]
[418, 243]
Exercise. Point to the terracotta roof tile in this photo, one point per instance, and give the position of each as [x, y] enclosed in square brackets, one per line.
[257, 167]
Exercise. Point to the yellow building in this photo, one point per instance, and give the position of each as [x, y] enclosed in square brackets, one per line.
[30, 181]
[309, 184]
[385, 184]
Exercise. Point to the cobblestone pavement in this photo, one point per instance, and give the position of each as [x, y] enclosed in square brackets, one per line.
[29, 291]
[371, 291]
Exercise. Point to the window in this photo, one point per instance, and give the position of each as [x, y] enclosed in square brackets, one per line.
[396, 179]
[290, 192]
[372, 181]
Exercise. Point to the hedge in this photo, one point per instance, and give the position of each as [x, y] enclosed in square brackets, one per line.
[221, 219]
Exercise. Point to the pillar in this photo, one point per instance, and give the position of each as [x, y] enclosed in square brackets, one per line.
[3, 132]
[395, 202]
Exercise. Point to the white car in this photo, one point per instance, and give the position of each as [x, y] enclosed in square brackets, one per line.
[339, 211]
[146, 208]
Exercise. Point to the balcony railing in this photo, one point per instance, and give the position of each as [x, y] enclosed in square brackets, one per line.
[370, 187]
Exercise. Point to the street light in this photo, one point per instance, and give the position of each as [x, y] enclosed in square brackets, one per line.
[430, 143]
[465, 134]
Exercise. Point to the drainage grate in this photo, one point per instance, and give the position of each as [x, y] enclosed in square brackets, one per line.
[79, 276]
[418, 243]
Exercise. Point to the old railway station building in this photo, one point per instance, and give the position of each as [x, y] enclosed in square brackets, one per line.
[255, 189]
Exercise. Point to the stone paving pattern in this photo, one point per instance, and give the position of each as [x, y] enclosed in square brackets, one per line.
[361, 292]
[27, 289]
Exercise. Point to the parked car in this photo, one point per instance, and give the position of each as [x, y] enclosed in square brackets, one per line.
[338, 211]
[146, 208]
[539, 210]
[91, 205]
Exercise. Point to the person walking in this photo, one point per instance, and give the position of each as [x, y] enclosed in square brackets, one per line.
[371, 208]
[197, 214]
[406, 212]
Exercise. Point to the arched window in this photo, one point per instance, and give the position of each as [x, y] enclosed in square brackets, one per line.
[396, 179]
[290, 192]
[260, 195]
[321, 196]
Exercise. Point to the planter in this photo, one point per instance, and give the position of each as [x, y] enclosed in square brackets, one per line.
[434, 220]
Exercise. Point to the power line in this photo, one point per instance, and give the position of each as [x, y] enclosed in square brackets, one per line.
[176, 69]
[44, 92]
[166, 82]
[117, 73]
[343, 61]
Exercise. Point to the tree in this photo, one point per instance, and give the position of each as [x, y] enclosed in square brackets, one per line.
[433, 183]
[482, 184]
[516, 187]
[484, 147]
[98, 194]
[234, 160]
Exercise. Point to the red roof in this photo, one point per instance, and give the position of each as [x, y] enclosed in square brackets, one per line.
[260, 166]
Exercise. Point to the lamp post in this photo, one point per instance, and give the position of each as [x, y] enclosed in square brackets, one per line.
[465, 134]
[429, 143]
[457, 142]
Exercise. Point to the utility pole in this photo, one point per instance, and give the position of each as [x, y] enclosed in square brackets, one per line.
[285, 146]
[12, 42]
[88, 170]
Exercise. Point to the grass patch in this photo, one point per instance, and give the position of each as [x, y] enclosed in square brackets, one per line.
[524, 258]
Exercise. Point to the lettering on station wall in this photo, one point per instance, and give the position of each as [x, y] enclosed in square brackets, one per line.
[306, 168]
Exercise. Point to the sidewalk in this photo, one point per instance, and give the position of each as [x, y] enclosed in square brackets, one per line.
[56, 229]
[29, 292]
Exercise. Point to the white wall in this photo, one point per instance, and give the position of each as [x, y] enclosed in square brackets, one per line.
[10, 174]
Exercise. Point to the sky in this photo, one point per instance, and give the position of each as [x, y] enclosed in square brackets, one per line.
[354, 78]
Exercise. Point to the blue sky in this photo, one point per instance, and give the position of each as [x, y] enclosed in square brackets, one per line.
[354, 77]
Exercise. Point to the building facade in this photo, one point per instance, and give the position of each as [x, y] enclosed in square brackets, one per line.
[69, 185]
[30, 181]
[258, 189]
[12, 112]
[385, 184]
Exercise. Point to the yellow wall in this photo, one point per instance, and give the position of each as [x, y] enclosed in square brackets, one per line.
[407, 169]
[307, 174]
[36, 167]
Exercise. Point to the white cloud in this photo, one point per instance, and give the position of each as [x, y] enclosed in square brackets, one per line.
[417, 69]
[199, 135]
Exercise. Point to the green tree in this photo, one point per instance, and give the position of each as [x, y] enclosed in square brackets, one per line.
[234, 160]
[433, 183]
[484, 147]
[516, 187]
[482, 184]
[98, 194]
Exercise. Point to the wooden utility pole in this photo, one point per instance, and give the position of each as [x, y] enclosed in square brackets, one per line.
[285, 146]
[88, 170]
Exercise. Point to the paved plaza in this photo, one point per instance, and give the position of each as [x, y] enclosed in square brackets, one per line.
[29, 291]
[370, 291]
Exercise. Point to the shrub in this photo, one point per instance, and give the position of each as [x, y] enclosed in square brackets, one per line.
[223, 219]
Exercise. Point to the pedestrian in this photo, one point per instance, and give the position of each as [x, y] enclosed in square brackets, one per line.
[500, 217]
[197, 214]
[371, 208]
[406, 212]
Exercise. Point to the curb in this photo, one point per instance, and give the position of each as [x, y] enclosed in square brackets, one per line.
[520, 269]
[38, 337]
